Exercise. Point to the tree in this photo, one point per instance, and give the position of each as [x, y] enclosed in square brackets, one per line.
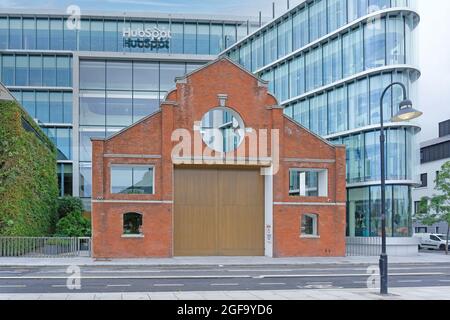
[437, 208]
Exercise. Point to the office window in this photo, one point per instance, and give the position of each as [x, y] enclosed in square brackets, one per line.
[96, 35]
[4, 30]
[317, 20]
[144, 103]
[358, 104]
[190, 38]
[353, 58]
[84, 36]
[297, 76]
[395, 40]
[119, 108]
[86, 133]
[29, 33]
[300, 113]
[284, 38]
[216, 39]
[69, 38]
[56, 34]
[65, 174]
[372, 156]
[356, 9]
[355, 158]
[300, 29]
[42, 107]
[375, 5]
[318, 115]
[176, 43]
[29, 102]
[309, 225]
[92, 74]
[85, 180]
[396, 162]
[42, 34]
[245, 56]
[131, 179]
[168, 73]
[358, 224]
[8, 72]
[282, 82]
[257, 53]
[163, 26]
[332, 61]
[146, 76]
[437, 177]
[203, 39]
[92, 108]
[35, 71]
[270, 45]
[56, 107]
[423, 180]
[374, 43]
[67, 106]
[22, 67]
[313, 62]
[377, 85]
[337, 14]
[132, 224]
[63, 71]
[119, 75]
[229, 34]
[308, 183]
[110, 36]
[49, 71]
[337, 110]
[15, 33]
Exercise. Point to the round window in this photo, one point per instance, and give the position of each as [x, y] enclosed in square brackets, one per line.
[222, 129]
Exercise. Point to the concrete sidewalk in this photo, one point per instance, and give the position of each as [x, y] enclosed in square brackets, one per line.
[425, 293]
[226, 261]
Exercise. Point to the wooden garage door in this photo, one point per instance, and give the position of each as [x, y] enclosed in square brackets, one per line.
[218, 212]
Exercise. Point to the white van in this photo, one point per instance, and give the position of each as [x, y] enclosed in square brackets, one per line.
[432, 241]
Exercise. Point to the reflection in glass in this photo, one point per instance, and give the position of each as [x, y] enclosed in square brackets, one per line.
[132, 179]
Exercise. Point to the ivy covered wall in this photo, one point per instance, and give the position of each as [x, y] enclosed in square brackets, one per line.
[28, 181]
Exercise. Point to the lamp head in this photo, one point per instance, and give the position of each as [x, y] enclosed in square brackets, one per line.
[406, 112]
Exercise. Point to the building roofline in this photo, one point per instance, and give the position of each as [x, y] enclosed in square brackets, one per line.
[435, 141]
[133, 15]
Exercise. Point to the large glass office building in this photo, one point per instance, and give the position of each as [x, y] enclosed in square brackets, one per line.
[327, 62]
[94, 80]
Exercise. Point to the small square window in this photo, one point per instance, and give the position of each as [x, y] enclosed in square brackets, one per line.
[132, 224]
[309, 226]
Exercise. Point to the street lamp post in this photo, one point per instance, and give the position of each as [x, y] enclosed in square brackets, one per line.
[405, 113]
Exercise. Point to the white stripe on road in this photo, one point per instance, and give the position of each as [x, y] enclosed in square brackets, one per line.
[168, 285]
[444, 280]
[272, 284]
[118, 285]
[224, 284]
[59, 285]
[13, 286]
[122, 271]
[409, 281]
[332, 275]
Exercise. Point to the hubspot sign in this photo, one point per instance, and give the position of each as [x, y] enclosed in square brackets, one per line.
[151, 38]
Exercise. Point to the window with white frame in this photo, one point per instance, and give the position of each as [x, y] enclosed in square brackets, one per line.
[309, 226]
[308, 182]
[132, 179]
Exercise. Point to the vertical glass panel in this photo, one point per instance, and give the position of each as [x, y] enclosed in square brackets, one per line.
[35, 70]
[68, 179]
[137, 26]
[229, 35]
[56, 34]
[119, 75]
[49, 71]
[29, 103]
[372, 156]
[92, 74]
[168, 73]
[56, 107]
[64, 143]
[190, 38]
[15, 33]
[282, 82]
[84, 36]
[67, 105]
[203, 39]
[144, 103]
[146, 76]
[353, 57]
[85, 141]
[318, 115]
[121, 26]
[301, 113]
[42, 34]
[22, 66]
[297, 76]
[70, 37]
[270, 46]
[355, 158]
[358, 104]
[300, 29]
[92, 108]
[284, 38]
[375, 211]
[375, 5]
[337, 110]
[411, 56]
[313, 64]
[257, 53]
[269, 76]
[97, 35]
[121, 179]
[119, 108]
[110, 36]
[377, 85]
[63, 72]
[317, 20]
[245, 56]
[176, 43]
[402, 211]
[332, 61]
[358, 209]
[337, 14]
[395, 40]
[356, 9]
[396, 154]
[399, 3]
[29, 33]
[42, 107]
[216, 39]
[288, 111]
[241, 31]
[8, 64]
[374, 43]
[163, 26]
[4, 33]
[85, 180]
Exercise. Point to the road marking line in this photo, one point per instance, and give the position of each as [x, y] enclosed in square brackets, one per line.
[122, 271]
[133, 277]
[168, 285]
[272, 284]
[13, 286]
[360, 282]
[409, 281]
[444, 280]
[319, 282]
[118, 285]
[59, 285]
[224, 284]
[332, 275]
[258, 270]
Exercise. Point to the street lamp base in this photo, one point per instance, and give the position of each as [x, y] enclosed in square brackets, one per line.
[383, 274]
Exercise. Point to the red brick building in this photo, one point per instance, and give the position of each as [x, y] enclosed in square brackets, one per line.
[218, 170]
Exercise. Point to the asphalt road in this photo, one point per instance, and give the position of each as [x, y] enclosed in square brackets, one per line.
[215, 278]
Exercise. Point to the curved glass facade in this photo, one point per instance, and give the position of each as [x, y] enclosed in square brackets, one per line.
[327, 62]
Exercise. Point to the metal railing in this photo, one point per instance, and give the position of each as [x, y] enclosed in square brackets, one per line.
[363, 247]
[45, 247]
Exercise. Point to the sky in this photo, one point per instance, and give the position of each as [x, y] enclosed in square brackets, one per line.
[433, 32]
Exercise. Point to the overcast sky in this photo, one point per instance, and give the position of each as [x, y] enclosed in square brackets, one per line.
[433, 38]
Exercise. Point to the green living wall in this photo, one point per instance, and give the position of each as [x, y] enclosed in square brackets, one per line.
[28, 181]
